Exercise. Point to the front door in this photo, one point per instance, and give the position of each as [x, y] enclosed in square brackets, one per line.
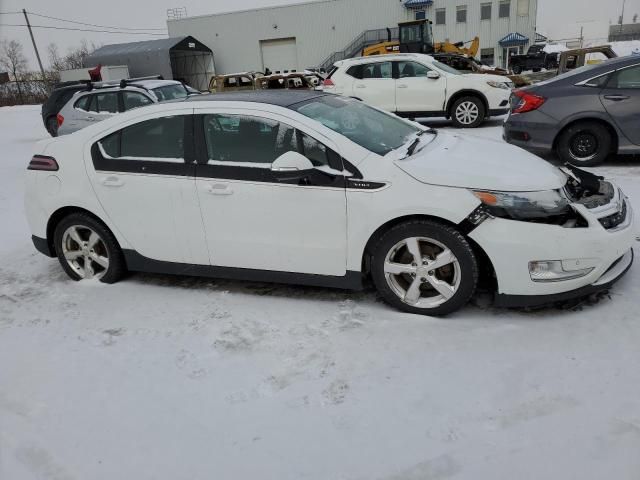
[377, 86]
[621, 98]
[259, 219]
[146, 186]
[415, 92]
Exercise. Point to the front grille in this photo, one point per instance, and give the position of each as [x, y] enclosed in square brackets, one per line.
[612, 221]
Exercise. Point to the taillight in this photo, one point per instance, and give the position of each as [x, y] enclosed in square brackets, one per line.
[328, 83]
[42, 162]
[59, 119]
[527, 101]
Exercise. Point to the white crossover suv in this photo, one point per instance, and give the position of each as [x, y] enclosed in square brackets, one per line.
[417, 85]
[312, 188]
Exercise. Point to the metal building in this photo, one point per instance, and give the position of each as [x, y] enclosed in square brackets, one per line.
[180, 57]
[313, 34]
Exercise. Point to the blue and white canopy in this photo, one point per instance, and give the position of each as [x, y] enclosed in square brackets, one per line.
[513, 40]
[417, 4]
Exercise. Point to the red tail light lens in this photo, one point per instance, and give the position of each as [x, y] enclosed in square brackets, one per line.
[328, 83]
[527, 101]
[59, 119]
[42, 162]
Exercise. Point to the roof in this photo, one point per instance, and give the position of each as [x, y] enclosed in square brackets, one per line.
[146, 46]
[282, 98]
[513, 39]
[385, 56]
[417, 3]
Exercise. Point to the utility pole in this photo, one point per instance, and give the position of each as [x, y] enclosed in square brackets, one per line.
[33, 40]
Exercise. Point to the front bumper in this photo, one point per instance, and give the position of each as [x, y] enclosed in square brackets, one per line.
[511, 245]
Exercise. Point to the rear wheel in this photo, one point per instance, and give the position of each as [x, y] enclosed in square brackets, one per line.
[467, 112]
[585, 143]
[517, 69]
[87, 249]
[424, 267]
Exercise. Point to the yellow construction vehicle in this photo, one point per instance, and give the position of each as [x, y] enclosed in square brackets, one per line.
[417, 37]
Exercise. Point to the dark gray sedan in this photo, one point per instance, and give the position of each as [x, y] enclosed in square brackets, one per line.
[584, 115]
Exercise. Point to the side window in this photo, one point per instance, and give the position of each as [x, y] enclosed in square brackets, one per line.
[626, 78]
[245, 82]
[412, 69]
[107, 102]
[230, 82]
[83, 103]
[135, 100]
[246, 140]
[159, 138]
[377, 70]
[314, 150]
[355, 71]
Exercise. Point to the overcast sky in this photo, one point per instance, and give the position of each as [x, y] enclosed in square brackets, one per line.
[556, 18]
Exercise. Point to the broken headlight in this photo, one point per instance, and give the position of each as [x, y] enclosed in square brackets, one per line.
[527, 206]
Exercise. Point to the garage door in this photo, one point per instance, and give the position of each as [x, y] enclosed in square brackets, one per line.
[279, 55]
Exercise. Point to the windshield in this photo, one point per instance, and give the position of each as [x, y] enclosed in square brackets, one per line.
[170, 92]
[372, 129]
[446, 68]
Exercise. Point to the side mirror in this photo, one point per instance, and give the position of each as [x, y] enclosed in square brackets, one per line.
[433, 75]
[291, 162]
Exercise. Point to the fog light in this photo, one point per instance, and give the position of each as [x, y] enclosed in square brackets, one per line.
[553, 271]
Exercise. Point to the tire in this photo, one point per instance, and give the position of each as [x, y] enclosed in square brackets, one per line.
[585, 144]
[537, 69]
[79, 238]
[467, 112]
[517, 69]
[52, 126]
[440, 290]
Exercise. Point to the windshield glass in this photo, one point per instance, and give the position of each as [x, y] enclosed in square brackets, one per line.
[446, 68]
[170, 92]
[372, 129]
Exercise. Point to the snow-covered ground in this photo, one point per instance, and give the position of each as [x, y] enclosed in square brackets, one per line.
[163, 377]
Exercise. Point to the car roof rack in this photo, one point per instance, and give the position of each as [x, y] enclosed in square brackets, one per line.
[122, 83]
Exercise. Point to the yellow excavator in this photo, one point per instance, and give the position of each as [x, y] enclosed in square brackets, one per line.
[417, 37]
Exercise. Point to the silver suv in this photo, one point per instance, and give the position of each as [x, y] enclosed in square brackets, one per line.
[103, 100]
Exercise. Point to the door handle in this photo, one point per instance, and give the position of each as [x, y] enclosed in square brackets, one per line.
[403, 86]
[112, 181]
[219, 189]
[617, 98]
[361, 86]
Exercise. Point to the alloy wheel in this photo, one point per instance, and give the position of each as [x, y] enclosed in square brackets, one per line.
[85, 252]
[467, 112]
[422, 272]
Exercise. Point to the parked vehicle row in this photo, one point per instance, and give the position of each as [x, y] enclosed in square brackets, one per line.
[311, 188]
[584, 115]
[417, 85]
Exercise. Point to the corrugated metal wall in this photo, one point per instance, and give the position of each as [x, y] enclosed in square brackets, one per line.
[323, 27]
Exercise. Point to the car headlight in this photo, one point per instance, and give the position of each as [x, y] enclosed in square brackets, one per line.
[503, 85]
[525, 205]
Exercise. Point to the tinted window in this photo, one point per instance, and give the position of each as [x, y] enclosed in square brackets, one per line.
[355, 71]
[626, 78]
[247, 140]
[158, 138]
[372, 129]
[377, 70]
[83, 103]
[134, 100]
[411, 69]
[107, 102]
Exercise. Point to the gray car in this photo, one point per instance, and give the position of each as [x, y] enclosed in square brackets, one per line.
[584, 115]
[101, 101]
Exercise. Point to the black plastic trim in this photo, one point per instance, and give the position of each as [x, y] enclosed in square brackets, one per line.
[498, 111]
[42, 245]
[523, 301]
[352, 280]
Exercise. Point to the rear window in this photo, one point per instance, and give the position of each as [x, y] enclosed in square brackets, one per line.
[170, 92]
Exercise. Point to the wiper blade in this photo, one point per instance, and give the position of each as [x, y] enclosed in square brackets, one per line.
[413, 146]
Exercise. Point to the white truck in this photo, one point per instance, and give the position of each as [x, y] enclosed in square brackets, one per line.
[106, 73]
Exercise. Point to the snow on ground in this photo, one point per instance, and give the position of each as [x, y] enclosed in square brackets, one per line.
[162, 377]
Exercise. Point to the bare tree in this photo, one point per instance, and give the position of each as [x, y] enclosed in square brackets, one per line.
[13, 60]
[74, 58]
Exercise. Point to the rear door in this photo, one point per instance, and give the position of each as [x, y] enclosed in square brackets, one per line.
[621, 99]
[376, 86]
[415, 92]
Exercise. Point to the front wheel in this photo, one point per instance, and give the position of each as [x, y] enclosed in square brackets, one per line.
[87, 249]
[517, 69]
[585, 144]
[424, 267]
[467, 112]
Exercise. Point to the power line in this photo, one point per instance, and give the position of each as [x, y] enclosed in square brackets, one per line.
[91, 24]
[79, 29]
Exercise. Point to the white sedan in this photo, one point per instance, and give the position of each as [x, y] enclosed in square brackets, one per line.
[313, 188]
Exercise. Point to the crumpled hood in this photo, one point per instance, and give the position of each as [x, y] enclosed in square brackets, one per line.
[462, 160]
